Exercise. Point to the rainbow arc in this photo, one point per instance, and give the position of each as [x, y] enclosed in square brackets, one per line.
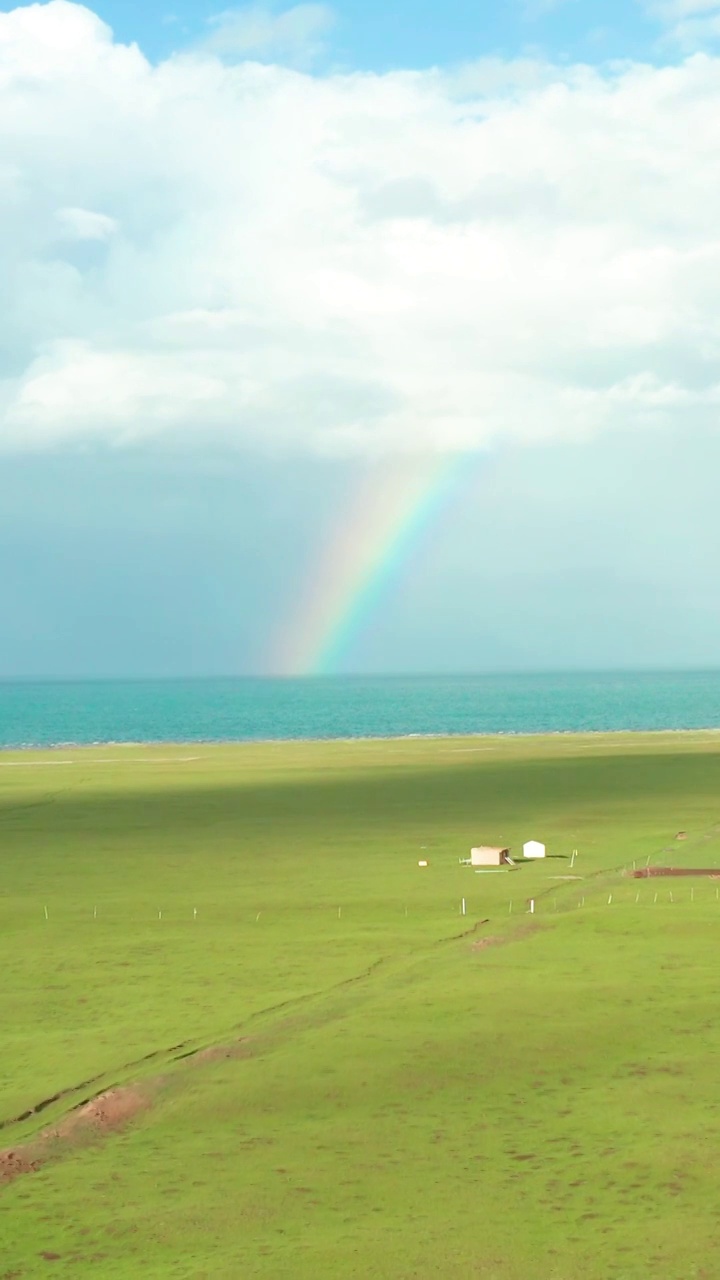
[392, 508]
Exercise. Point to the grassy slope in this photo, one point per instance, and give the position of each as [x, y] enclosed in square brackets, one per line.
[541, 1109]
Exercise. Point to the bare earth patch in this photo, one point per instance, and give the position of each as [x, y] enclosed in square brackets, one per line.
[16, 1162]
[224, 1052]
[649, 873]
[520, 932]
[109, 1111]
[482, 943]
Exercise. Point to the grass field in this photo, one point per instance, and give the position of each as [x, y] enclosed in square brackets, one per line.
[336, 1074]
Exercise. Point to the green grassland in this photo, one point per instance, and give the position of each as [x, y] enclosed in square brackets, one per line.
[398, 1091]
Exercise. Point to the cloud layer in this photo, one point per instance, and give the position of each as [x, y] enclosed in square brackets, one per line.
[296, 35]
[691, 24]
[349, 262]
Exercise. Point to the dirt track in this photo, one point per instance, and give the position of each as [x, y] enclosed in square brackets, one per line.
[648, 873]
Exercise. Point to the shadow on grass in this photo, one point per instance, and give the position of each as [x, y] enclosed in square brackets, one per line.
[383, 798]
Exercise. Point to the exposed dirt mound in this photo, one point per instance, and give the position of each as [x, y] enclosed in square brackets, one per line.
[14, 1163]
[109, 1111]
[518, 933]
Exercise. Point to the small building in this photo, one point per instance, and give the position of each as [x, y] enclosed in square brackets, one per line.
[488, 856]
[533, 849]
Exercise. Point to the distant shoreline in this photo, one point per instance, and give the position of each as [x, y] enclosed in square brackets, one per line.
[185, 744]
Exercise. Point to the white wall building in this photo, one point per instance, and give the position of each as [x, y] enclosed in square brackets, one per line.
[533, 849]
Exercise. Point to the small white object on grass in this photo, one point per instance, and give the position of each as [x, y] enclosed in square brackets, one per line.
[94, 913]
[655, 898]
[46, 914]
[463, 908]
[533, 849]
[609, 899]
[671, 897]
[572, 860]
[258, 916]
[194, 913]
[422, 862]
[159, 915]
[532, 906]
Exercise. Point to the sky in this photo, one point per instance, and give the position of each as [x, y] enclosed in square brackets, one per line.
[262, 265]
[374, 35]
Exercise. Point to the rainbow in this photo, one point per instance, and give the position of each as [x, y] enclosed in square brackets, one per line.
[392, 508]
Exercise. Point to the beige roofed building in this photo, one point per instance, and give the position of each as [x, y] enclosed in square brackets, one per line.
[489, 856]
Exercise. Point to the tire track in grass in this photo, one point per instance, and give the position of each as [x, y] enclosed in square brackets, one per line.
[190, 1048]
[105, 1082]
[7, 811]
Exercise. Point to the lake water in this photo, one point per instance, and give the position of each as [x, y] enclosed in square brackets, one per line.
[61, 712]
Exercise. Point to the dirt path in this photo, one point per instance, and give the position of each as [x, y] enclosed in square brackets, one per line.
[117, 1104]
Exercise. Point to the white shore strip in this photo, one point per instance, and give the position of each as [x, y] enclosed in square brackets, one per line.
[39, 764]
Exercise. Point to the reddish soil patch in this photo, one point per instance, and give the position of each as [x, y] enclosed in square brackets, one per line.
[223, 1052]
[109, 1111]
[517, 934]
[216, 1053]
[112, 1109]
[14, 1163]
[649, 873]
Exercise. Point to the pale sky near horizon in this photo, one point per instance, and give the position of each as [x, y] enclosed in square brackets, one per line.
[248, 252]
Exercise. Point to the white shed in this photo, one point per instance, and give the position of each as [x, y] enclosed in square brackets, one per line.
[533, 849]
[488, 856]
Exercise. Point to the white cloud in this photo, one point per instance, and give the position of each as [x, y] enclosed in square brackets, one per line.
[83, 224]
[696, 33]
[349, 262]
[677, 10]
[297, 34]
[690, 24]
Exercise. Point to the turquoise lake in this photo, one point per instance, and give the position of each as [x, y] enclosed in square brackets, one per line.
[49, 713]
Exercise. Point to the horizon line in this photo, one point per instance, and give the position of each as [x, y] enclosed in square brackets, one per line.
[429, 674]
